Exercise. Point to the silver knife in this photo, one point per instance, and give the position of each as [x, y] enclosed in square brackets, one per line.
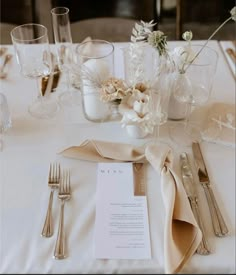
[189, 186]
[218, 222]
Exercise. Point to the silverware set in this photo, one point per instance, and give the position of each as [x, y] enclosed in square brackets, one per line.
[57, 180]
[190, 189]
[218, 223]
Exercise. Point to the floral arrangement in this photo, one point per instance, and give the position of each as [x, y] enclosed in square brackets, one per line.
[134, 101]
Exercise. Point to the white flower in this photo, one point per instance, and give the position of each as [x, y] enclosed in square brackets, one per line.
[138, 102]
[113, 89]
[182, 56]
[187, 36]
[233, 13]
[157, 40]
[135, 110]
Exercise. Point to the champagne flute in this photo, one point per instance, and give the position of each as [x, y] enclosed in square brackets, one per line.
[34, 58]
[193, 86]
[64, 52]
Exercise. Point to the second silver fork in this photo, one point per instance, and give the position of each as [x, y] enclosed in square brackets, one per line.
[64, 194]
[53, 183]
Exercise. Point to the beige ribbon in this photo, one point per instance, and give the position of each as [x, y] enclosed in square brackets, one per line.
[182, 234]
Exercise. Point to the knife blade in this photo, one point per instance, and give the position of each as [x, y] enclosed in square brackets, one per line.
[189, 186]
[218, 222]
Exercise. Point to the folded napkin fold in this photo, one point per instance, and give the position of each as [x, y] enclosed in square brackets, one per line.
[103, 151]
[220, 124]
[182, 234]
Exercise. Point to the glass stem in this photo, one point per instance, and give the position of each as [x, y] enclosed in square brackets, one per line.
[156, 132]
[187, 115]
[39, 89]
[68, 86]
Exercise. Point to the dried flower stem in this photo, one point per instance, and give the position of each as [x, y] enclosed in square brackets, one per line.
[204, 45]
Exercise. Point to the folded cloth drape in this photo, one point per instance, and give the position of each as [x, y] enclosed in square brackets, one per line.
[182, 234]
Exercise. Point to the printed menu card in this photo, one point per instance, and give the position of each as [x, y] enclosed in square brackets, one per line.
[121, 224]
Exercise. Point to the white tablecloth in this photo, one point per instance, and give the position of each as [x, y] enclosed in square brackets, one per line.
[32, 144]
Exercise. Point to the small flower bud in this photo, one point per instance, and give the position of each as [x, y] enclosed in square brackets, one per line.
[187, 36]
[233, 13]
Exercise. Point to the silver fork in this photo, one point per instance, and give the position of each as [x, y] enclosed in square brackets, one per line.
[64, 195]
[53, 183]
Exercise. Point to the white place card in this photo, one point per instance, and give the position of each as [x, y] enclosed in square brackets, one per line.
[121, 225]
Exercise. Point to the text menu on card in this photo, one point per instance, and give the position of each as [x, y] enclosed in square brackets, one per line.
[121, 225]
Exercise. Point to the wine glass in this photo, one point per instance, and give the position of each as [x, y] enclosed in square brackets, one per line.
[64, 52]
[193, 86]
[34, 58]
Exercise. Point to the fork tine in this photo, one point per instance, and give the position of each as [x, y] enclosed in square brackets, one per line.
[50, 172]
[68, 188]
[59, 171]
[67, 182]
[53, 183]
[54, 172]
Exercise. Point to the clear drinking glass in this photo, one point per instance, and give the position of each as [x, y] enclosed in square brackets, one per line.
[5, 118]
[96, 64]
[144, 68]
[34, 58]
[194, 88]
[64, 52]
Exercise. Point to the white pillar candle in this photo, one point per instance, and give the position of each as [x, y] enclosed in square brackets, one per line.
[95, 72]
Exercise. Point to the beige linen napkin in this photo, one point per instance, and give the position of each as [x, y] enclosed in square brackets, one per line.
[104, 151]
[220, 124]
[182, 234]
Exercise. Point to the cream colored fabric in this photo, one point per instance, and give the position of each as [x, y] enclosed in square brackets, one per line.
[182, 234]
[220, 124]
[102, 151]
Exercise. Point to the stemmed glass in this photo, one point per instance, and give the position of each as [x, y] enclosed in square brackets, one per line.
[193, 86]
[64, 52]
[34, 58]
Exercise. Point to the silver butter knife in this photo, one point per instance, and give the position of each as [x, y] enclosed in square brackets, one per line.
[189, 186]
[218, 222]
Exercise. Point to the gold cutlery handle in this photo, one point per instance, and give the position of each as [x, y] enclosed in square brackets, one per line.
[203, 248]
[218, 223]
[59, 252]
[48, 224]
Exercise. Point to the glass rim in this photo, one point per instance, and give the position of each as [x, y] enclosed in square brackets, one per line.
[205, 47]
[25, 25]
[53, 11]
[80, 45]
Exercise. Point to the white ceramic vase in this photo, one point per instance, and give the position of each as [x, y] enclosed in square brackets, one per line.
[135, 131]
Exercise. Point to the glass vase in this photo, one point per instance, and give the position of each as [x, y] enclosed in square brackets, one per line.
[96, 64]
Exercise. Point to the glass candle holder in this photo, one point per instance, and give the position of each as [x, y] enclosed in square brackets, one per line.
[96, 64]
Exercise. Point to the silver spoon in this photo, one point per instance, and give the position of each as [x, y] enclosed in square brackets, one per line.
[7, 59]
